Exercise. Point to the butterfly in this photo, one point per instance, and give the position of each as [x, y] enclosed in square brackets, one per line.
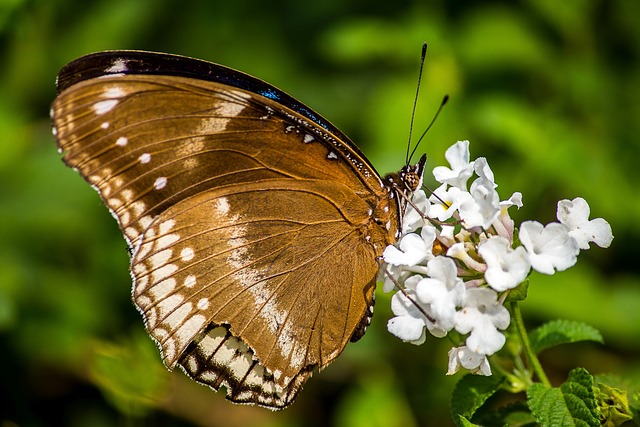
[255, 227]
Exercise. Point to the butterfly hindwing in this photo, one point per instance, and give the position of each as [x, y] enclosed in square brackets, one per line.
[260, 269]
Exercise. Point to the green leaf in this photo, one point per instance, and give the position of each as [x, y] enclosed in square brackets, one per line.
[516, 414]
[572, 404]
[463, 422]
[581, 385]
[471, 392]
[561, 332]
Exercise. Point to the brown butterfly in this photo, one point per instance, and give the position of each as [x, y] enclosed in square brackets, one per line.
[255, 226]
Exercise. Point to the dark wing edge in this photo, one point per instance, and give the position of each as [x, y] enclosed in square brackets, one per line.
[106, 63]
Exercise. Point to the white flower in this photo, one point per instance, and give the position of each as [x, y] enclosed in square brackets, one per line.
[483, 208]
[465, 358]
[414, 248]
[506, 267]
[442, 292]
[460, 290]
[413, 219]
[550, 248]
[504, 225]
[446, 201]
[459, 251]
[461, 169]
[574, 215]
[482, 315]
[446, 235]
[482, 169]
[409, 323]
[514, 200]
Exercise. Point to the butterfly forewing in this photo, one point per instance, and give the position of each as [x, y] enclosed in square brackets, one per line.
[254, 230]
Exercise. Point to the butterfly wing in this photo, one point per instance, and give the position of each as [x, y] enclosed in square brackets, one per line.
[254, 228]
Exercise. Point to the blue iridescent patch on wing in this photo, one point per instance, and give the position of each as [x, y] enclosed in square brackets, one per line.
[270, 93]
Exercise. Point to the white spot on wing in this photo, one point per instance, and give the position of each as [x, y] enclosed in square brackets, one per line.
[117, 66]
[122, 141]
[223, 113]
[145, 158]
[114, 92]
[190, 327]
[252, 279]
[203, 304]
[222, 206]
[168, 304]
[187, 254]
[102, 107]
[163, 288]
[160, 183]
[165, 270]
[240, 94]
[166, 240]
[332, 155]
[190, 281]
[166, 226]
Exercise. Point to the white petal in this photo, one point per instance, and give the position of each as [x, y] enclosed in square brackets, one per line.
[550, 247]
[413, 250]
[482, 316]
[414, 219]
[461, 169]
[454, 361]
[407, 328]
[482, 169]
[574, 214]
[506, 267]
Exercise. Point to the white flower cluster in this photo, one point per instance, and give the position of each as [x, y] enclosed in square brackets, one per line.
[457, 259]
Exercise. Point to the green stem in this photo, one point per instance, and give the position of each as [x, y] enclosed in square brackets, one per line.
[524, 338]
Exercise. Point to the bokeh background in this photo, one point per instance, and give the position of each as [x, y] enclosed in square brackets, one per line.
[548, 91]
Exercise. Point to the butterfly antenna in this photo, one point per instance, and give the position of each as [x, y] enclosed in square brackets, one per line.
[435, 116]
[415, 103]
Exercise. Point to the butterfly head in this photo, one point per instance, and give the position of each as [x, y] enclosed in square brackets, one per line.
[411, 175]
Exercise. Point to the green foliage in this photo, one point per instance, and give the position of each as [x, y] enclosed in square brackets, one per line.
[471, 392]
[614, 405]
[559, 332]
[463, 422]
[579, 401]
[518, 294]
[572, 404]
[130, 374]
[618, 397]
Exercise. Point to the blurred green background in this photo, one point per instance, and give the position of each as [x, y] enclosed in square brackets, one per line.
[547, 90]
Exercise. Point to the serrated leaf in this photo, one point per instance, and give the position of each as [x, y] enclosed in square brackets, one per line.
[463, 422]
[562, 332]
[572, 404]
[580, 385]
[516, 414]
[471, 392]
